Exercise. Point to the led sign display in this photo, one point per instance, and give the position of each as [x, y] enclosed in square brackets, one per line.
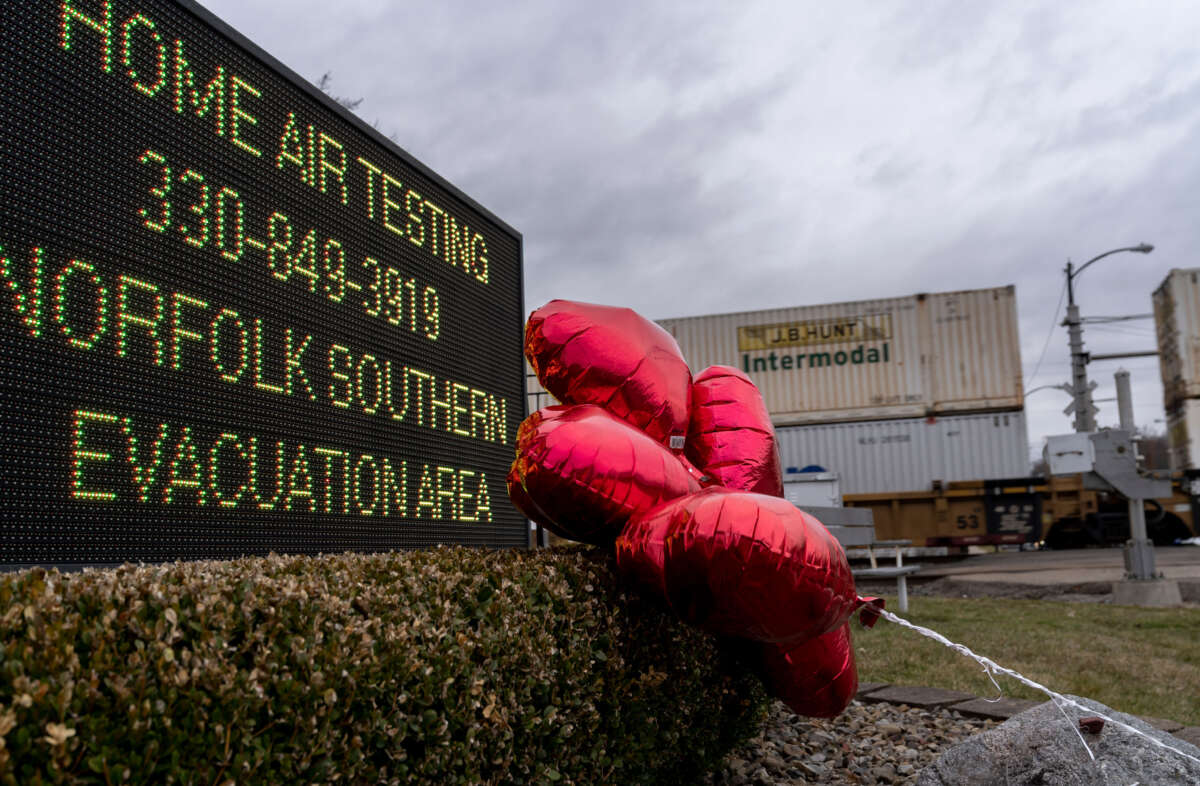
[234, 319]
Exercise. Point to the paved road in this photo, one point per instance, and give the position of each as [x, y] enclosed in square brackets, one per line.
[1062, 567]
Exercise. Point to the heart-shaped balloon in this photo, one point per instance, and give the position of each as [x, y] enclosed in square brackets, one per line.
[730, 435]
[583, 472]
[816, 677]
[612, 357]
[740, 564]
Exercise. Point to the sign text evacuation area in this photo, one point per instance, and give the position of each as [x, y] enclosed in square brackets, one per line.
[234, 320]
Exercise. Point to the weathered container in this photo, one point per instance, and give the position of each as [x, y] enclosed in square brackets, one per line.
[926, 354]
[1183, 434]
[911, 454]
[1177, 323]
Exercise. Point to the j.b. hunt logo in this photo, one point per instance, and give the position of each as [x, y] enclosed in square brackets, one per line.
[869, 327]
[859, 329]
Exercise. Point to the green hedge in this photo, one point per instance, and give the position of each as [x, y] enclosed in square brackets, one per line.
[442, 666]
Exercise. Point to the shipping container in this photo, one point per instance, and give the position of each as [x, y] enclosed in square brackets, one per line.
[536, 396]
[1183, 435]
[912, 454]
[1177, 324]
[926, 354]
[908, 454]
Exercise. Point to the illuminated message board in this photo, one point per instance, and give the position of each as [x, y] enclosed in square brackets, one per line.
[233, 318]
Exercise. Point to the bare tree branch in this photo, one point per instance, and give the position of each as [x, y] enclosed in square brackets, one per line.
[325, 85]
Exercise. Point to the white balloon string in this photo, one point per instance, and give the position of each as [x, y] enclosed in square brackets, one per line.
[1059, 700]
[999, 691]
[1074, 728]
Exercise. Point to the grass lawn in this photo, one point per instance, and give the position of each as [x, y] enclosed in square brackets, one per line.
[1139, 661]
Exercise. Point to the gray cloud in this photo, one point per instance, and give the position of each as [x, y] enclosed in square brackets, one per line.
[691, 158]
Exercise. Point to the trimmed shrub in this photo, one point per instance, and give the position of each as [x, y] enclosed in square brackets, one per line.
[447, 666]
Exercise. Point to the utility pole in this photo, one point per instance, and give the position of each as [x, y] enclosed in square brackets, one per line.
[1081, 390]
[1085, 419]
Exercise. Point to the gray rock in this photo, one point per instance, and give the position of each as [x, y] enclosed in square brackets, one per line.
[1038, 746]
[774, 763]
[813, 771]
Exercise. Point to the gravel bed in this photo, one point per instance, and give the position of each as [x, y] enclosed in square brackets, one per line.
[867, 744]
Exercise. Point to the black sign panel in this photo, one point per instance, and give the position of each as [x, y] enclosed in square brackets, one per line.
[233, 318]
[1015, 514]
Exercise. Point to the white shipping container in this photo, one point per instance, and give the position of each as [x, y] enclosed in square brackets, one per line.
[909, 455]
[899, 357]
[1183, 435]
[1177, 323]
[536, 396]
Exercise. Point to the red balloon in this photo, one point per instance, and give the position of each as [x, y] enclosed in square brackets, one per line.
[615, 358]
[740, 564]
[525, 504]
[582, 472]
[735, 558]
[730, 436]
[817, 677]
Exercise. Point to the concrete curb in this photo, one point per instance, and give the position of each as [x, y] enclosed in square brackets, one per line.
[976, 707]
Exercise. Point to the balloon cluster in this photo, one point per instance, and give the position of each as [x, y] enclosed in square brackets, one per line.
[683, 476]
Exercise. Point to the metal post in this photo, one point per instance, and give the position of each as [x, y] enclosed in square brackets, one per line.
[1139, 551]
[1124, 400]
[1084, 420]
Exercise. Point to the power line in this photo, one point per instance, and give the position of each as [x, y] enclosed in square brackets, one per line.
[1049, 333]
[1125, 329]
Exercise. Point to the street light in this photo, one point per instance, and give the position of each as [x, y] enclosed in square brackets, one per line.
[1085, 419]
[1065, 387]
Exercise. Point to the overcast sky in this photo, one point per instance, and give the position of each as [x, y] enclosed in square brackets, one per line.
[695, 157]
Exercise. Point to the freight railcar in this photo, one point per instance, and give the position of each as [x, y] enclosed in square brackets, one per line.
[1057, 511]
